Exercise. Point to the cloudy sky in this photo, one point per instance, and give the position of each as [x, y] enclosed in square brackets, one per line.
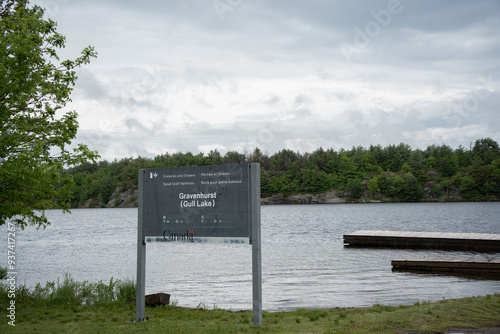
[198, 75]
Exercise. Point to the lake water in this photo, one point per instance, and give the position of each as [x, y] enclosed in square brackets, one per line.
[304, 261]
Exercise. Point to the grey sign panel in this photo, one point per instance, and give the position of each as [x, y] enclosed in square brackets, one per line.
[192, 203]
[200, 204]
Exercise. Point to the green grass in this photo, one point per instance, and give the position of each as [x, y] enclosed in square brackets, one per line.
[72, 293]
[73, 307]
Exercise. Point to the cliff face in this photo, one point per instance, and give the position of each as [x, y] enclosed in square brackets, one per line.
[121, 198]
[335, 197]
[328, 197]
[124, 198]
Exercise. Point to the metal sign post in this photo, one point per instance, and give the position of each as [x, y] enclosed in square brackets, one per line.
[140, 298]
[256, 243]
[200, 204]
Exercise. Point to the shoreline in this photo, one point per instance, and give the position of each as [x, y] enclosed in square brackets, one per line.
[464, 315]
[297, 199]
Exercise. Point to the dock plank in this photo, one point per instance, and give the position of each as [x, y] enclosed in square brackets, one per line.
[481, 242]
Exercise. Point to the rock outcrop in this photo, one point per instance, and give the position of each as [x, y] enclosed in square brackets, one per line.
[123, 198]
[328, 197]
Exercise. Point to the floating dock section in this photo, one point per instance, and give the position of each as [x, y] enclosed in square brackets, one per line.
[478, 242]
[476, 266]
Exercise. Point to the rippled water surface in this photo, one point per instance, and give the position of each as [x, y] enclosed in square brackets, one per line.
[304, 262]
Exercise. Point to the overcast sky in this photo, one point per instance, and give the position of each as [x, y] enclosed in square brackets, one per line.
[199, 75]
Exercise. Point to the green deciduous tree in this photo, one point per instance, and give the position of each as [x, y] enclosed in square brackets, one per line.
[391, 184]
[448, 165]
[487, 150]
[469, 187]
[430, 162]
[412, 190]
[495, 174]
[373, 186]
[35, 134]
[355, 187]
[405, 168]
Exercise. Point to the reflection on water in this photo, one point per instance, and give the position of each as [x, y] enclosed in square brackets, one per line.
[304, 262]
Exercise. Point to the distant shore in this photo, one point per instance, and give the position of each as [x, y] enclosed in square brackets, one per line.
[127, 198]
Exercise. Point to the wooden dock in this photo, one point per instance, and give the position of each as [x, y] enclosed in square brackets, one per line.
[479, 242]
[476, 266]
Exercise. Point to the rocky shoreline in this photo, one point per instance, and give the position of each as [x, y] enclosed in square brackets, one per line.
[127, 198]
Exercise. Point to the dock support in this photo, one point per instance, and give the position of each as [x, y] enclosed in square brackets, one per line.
[478, 242]
[476, 266]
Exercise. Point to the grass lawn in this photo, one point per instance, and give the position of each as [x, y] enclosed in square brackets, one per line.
[32, 317]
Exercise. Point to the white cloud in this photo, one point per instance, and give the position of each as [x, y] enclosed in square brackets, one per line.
[172, 76]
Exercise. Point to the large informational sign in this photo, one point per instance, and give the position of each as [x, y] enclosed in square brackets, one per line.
[219, 203]
[198, 204]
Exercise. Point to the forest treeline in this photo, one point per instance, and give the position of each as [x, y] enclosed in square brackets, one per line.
[394, 172]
